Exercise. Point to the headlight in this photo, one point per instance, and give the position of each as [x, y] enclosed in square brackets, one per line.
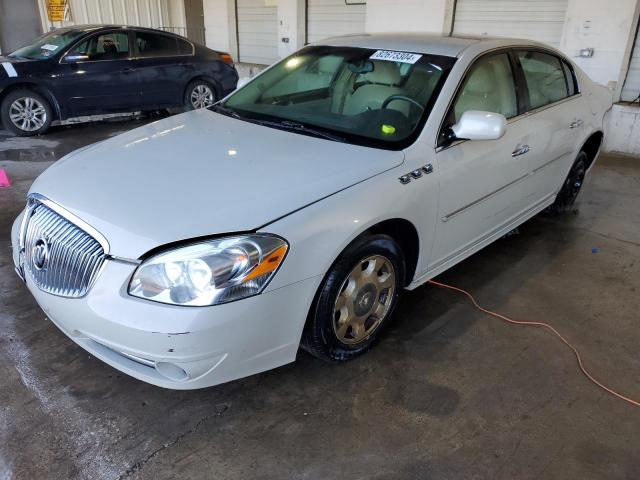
[210, 272]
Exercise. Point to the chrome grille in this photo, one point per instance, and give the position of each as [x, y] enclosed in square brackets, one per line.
[61, 258]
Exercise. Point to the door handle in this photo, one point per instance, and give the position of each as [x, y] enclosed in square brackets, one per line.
[129, 70]
[576, 123]
[520, 150]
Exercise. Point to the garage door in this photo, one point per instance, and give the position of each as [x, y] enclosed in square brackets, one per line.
[142, 13]
[540, 20]
[327, 18]
[631, 87]
[257, 31]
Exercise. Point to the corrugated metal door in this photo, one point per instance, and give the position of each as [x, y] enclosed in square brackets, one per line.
[328, 18]
[142, 13]
[257, 31]
[540, 20]
[631, 87]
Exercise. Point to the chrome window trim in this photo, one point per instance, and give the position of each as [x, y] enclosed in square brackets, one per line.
[167, 34]
[35, 198]
[88, 37]
[516, 118]
[130, 57]
[506, 50]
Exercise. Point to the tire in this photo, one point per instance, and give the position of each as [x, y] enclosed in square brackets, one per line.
[200, 93]
[26, 113]
[356, 299]
[571, 187]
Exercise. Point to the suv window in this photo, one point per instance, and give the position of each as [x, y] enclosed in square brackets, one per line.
[105, 46]
[545, 78]
[156, 45]
[489, 86]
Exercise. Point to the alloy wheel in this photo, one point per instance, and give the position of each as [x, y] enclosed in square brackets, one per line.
[364, 300]
[202, 96]
[28, 114]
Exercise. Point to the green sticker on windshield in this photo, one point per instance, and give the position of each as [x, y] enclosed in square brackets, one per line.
[388, 129]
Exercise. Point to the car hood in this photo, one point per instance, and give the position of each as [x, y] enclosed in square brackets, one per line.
[21, 66]
[201, 173]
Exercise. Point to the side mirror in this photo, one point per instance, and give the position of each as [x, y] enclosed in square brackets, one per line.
[76, 58]
[477, 125]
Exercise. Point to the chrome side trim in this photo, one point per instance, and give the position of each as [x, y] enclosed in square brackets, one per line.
[473, 244]
[140, 360]
[504, 187]
[464, 252]
[449, 216]
[67, 215]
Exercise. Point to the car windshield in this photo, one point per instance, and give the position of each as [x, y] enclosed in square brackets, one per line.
[369, 97]
[47, 45]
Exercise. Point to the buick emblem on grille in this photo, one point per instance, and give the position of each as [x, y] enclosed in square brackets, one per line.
[40, 254]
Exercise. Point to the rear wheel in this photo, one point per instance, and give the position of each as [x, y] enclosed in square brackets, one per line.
[26, 113]
[571, 187]
[199, 94]
[356, 299]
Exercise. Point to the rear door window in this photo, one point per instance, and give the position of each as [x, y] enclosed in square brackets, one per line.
[156, 45]
[545, 78]
[184, 47]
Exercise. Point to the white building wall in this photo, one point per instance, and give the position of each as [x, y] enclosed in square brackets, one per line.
[220, 25]
[145, 13]
[291, 25]
[606, 26]
[408, 15]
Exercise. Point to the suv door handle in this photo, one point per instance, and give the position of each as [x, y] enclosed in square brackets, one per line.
[520, 150]
[129, 70]
[576, 123]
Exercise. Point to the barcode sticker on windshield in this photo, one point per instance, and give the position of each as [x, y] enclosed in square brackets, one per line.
[390, 56]
[48, 46]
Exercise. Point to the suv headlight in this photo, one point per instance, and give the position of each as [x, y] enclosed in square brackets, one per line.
[210, 272]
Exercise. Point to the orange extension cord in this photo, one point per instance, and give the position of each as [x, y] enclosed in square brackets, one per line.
[545, 326]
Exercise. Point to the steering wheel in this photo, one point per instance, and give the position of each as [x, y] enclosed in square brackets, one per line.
[390, 99]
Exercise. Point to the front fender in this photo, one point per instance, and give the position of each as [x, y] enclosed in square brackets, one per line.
[318, 233]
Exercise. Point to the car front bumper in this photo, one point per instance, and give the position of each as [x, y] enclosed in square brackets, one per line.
[179, 347]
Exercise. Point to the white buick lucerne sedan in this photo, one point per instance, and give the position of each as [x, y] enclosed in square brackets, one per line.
[212, 245]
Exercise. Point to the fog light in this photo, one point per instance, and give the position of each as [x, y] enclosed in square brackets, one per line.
[171, 371]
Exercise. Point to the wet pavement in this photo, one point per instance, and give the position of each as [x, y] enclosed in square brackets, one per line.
[448, 394]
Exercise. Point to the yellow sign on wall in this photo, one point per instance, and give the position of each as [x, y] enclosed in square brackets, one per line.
[56, 10]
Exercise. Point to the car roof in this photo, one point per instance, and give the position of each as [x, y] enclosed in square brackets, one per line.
[451, 46]
[91, 28]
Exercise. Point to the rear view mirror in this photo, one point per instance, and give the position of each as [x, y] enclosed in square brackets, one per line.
[76, 58]
[361, 67]
[477, 125]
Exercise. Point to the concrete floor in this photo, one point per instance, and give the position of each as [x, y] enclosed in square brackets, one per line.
[448, 394]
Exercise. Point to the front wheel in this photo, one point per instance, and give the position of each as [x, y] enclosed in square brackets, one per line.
[356, 299]
[26, 113]
[199, 94]
[571, 186]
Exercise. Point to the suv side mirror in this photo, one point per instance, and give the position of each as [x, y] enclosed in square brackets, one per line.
[76, 58]
[478, 125]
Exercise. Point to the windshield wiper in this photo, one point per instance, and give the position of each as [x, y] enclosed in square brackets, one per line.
[283, 125]
[218, 107]
[295, 126]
